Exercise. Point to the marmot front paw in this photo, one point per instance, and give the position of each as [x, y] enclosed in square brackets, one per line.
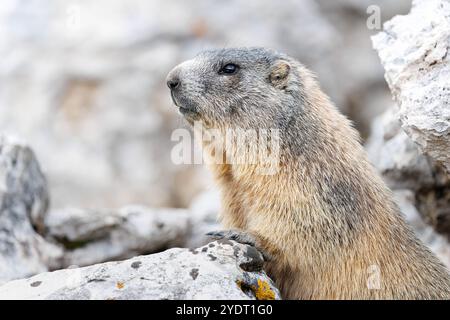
[241, 237]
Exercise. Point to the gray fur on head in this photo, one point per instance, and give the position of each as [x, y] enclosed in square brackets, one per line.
[265, 89]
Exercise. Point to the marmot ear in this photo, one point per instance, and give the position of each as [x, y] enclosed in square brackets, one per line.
[279, 74]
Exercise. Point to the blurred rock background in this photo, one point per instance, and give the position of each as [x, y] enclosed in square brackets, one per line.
[83, 82]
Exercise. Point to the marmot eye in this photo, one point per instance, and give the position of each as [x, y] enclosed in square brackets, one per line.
[229, 68]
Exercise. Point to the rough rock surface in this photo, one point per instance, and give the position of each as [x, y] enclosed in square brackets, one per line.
[414, 50]
[23, 204]
[219, 270]
[397, 157]
[93, 236]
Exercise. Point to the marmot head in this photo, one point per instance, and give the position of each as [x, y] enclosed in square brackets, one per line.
[236, 87]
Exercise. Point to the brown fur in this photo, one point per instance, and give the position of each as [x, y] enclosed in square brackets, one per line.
[320, 253]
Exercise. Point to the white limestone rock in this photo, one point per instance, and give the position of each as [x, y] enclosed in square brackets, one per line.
[396, 156]
[220, 270]
[414, 52]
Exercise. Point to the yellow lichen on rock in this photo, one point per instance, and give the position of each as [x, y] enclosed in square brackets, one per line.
[263, 291]
[120, 285]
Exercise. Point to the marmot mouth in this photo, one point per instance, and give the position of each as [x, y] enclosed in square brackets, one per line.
[184, 110]
[189, 114]
[174, 100]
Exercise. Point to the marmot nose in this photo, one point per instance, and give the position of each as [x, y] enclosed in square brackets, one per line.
[173, 83]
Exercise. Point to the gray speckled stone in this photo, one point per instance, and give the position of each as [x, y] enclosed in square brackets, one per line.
[210, 272]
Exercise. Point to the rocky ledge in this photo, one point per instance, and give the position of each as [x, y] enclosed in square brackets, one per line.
[218, 270]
